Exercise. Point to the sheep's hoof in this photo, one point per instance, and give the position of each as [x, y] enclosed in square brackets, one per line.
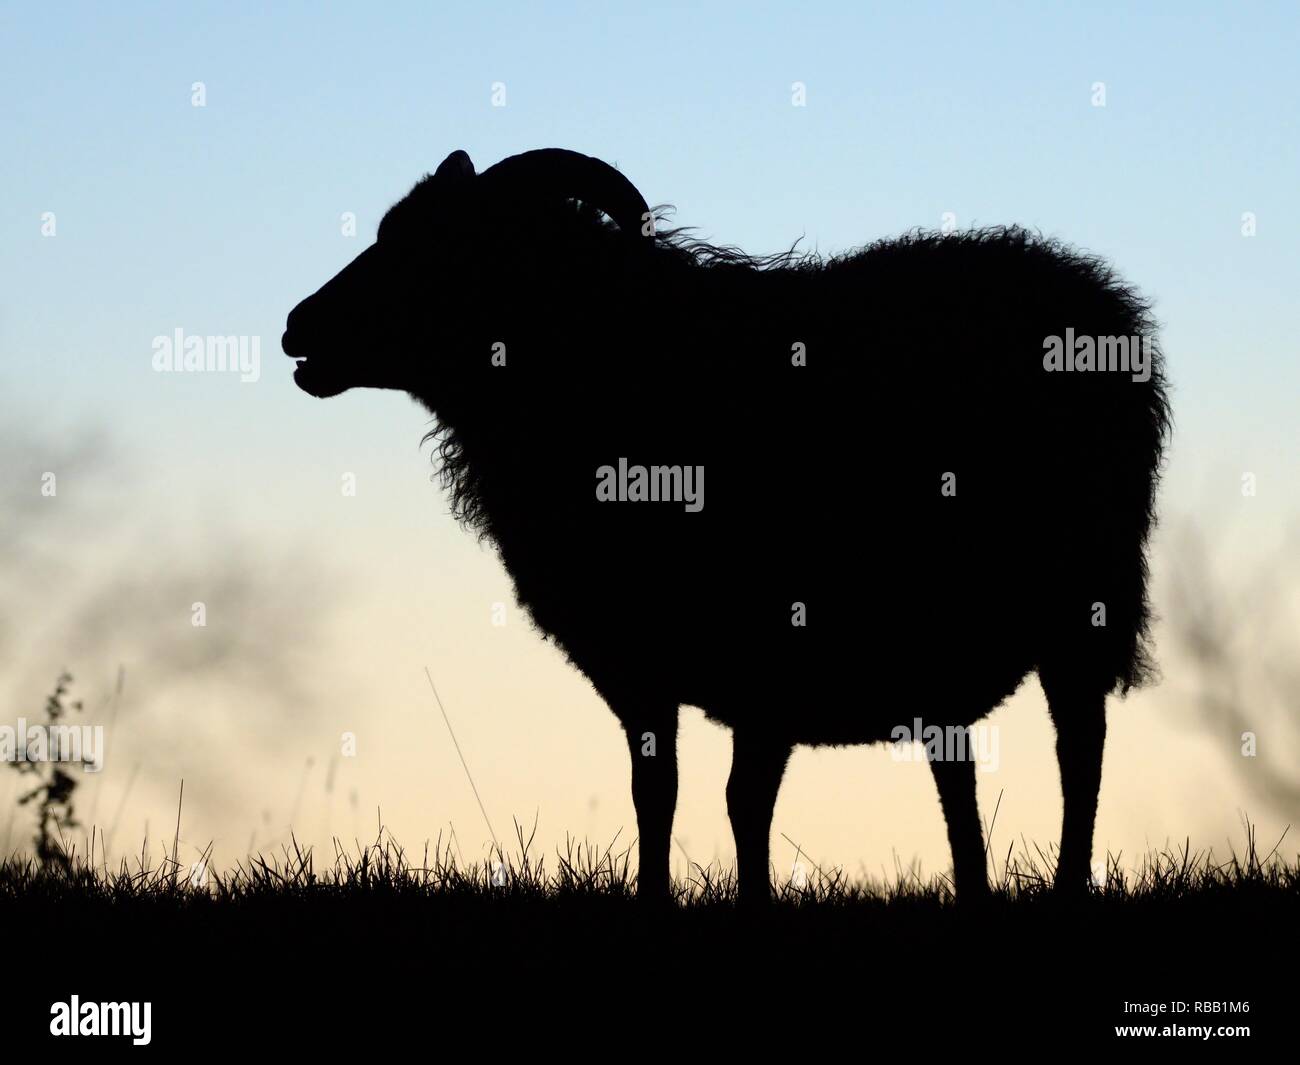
[976, 893]
[654, 900]
[758, 901]
[1072, 886]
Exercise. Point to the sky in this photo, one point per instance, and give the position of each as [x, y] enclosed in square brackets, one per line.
[128, 212]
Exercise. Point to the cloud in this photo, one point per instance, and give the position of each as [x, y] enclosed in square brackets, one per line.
[1235, 645]
[101, 575]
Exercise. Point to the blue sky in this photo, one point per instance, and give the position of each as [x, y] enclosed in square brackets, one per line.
[219, 219]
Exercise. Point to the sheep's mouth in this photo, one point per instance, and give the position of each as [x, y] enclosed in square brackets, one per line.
[314, 378]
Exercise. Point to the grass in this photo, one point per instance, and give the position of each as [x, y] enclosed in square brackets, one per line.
[587, 873]
[376, 928]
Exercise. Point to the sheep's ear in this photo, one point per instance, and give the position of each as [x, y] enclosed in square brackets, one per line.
[456, 167]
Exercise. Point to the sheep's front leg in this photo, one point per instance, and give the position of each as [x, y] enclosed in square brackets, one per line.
[757, 765]
[1080, 720]
[652, 742]
[955, 780]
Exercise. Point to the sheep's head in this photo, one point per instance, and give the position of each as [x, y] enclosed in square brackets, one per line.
[437, 266]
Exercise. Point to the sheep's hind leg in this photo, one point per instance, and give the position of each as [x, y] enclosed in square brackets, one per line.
[652, 742]
[1079, 714]
[955, 780]
[757, 765]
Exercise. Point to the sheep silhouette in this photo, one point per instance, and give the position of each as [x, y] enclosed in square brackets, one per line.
[929, 472]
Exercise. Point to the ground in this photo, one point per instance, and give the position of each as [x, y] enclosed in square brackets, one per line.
[380, 947]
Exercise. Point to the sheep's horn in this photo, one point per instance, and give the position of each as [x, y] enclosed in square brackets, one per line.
[569, 175]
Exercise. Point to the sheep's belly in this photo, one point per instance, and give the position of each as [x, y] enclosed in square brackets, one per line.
[856, 680]
[863, 708]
